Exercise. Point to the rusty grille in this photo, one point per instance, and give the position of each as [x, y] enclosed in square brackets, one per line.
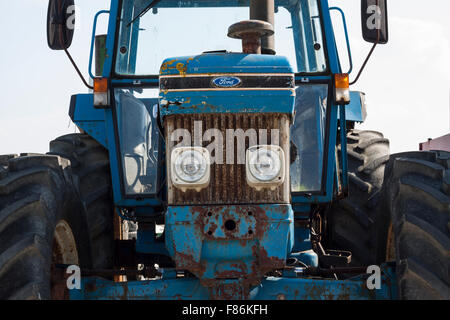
[228, 184]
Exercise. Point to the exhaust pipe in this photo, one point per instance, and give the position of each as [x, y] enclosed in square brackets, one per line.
[264, 10]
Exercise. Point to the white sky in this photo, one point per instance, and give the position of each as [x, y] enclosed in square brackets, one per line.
[406, 81]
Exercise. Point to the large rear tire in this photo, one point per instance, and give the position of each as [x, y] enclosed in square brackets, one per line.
[40, 226]
[351, 222]
[417, 198]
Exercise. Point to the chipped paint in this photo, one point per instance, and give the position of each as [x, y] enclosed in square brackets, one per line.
[182, 68]
[167, 65]
[214, 242]
[270, 288]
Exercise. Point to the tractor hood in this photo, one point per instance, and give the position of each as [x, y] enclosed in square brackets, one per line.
[226, 63]
[226, 83]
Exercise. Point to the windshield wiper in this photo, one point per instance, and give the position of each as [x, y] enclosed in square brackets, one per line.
[147, 8]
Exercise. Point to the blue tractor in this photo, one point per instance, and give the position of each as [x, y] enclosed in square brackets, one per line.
[218, 159]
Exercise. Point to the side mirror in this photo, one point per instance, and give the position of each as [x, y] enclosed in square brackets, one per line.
[60, 24]
[374, 18]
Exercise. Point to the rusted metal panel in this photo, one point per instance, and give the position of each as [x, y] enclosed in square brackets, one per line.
[220, 243]
[228, 184]
[270, 288]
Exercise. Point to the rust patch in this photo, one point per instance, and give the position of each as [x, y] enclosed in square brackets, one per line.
[262, 221]
[182, 68]
[249, 274]
[187, 262]
[124, 286]
[91, 286]
[264, 263]
[58, 278]
[211, 231]
[228, 291]
[167, 65]
[239, 271]
[208, 216]
[59, 289]
[159, 292]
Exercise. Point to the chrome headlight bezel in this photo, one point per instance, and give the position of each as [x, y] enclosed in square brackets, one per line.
[275, 178]
[181, 179]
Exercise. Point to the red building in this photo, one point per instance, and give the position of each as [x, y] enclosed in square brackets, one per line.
[442, 143]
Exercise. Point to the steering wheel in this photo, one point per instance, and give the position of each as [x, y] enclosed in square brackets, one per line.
[250, 32]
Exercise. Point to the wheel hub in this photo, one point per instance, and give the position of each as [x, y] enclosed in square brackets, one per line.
[64, 252]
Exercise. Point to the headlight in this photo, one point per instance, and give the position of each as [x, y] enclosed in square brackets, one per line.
[190, 168]
[265, 166]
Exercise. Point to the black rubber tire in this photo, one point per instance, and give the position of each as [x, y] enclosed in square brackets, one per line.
[417, 197]
[91, 171]
[351, 221]
[36, 192]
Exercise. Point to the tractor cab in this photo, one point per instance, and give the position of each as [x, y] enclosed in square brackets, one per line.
[214, 74]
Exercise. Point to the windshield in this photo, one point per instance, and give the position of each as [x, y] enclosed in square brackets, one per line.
[173, 28]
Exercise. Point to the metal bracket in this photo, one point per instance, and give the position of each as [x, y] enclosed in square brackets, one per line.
[335, 258]
[346, 38]
[94, 28]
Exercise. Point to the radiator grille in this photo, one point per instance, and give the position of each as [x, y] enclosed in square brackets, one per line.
[228, 183]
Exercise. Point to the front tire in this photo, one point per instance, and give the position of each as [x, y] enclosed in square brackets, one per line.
[352, 221]
[91, 171]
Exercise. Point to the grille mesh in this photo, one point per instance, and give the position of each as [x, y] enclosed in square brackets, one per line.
[228, 184]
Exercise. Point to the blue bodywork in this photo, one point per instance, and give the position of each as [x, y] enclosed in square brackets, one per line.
[226, 101]
[279, 231]
[292, 286]
[220, 254]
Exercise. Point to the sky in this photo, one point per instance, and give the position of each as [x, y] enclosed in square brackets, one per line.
[406, 82]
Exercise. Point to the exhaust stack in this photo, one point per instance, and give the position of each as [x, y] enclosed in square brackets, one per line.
[264, 10]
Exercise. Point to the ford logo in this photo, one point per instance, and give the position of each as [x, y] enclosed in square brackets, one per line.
[226, 82]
